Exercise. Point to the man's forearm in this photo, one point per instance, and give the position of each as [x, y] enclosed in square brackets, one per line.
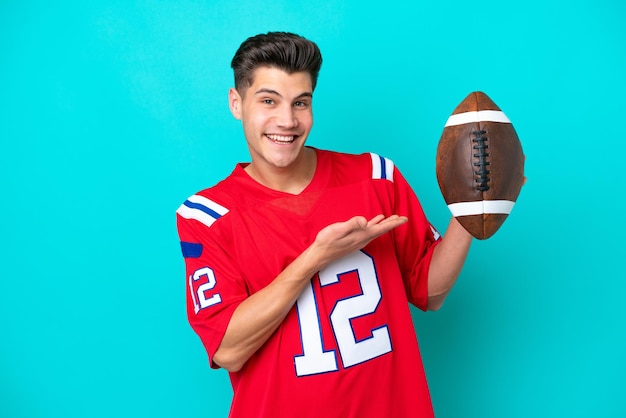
[447, 262]
[257, 317]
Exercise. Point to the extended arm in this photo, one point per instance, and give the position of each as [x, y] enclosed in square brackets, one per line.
[257, 317]
[447, 261]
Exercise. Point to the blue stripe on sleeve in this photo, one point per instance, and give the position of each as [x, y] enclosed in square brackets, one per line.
[191, 249]
[203, 208]
[383, 168]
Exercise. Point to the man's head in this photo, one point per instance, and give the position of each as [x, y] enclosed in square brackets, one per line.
[286, 51]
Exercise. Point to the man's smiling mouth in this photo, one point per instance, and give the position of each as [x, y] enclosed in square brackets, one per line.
[281, 139]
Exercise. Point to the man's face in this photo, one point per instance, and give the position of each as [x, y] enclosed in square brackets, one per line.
[276, 113]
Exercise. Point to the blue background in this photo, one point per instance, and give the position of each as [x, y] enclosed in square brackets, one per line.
[113, 112]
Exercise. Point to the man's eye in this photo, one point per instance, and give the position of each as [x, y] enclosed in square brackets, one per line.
[268, 101]
[301, 104]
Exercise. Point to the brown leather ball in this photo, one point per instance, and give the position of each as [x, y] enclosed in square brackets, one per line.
[480, 165]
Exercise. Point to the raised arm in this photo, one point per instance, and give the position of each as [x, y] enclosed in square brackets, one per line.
[448, 259]
[256, 318]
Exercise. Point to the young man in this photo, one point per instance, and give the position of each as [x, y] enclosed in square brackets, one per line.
[301, 264]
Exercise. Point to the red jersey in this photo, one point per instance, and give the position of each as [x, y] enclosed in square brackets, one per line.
[348, 347]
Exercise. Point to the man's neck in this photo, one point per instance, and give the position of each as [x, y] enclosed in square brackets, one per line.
[291, 180]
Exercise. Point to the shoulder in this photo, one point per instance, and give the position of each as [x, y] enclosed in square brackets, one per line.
[209, 205]
[370, 164]
[383, 168]
[203, 207]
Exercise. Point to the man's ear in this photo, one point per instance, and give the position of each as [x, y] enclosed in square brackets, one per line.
[234, 102]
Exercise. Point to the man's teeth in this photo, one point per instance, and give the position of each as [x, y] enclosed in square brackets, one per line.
[281, 138]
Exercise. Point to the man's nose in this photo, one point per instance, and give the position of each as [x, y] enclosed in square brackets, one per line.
[286, 117]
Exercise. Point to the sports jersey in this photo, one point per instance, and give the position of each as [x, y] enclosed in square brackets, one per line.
[348, 347]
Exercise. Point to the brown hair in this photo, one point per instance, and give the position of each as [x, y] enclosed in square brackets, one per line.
[283, 50]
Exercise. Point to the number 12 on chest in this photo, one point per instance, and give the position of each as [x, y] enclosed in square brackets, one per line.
[315, 359]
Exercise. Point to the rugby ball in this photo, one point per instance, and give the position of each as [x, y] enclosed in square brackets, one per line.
[480, 165]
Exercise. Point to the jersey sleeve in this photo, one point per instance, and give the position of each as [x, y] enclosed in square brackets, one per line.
[415, 241]
[214, 285]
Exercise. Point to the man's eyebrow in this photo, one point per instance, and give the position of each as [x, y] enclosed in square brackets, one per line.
[266, 90]
[274, 92]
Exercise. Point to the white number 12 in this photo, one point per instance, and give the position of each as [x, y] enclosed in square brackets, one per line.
[314, 359]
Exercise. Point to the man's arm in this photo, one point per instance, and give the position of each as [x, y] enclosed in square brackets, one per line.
[447, 261]
[257, 317]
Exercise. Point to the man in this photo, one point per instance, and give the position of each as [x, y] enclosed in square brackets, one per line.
[301, 264]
